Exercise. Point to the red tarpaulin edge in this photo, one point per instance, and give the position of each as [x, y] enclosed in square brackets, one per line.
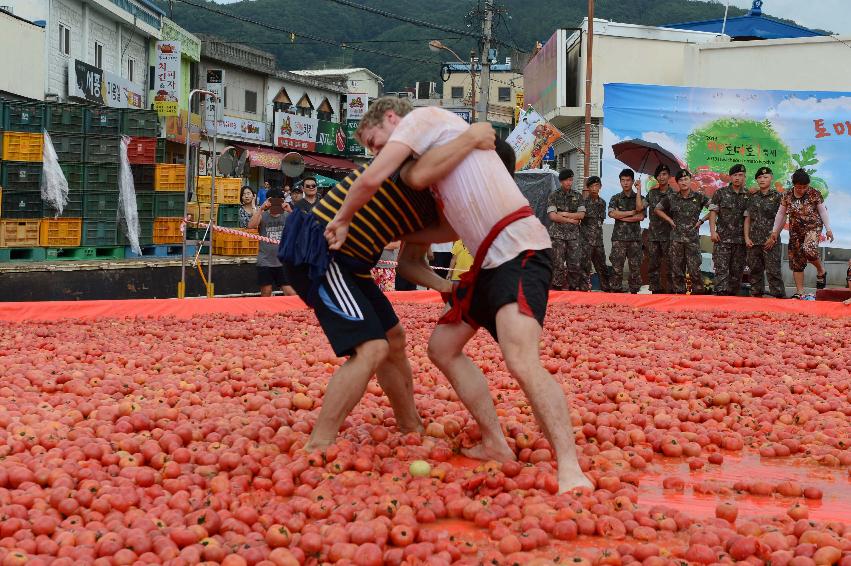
[186, 308]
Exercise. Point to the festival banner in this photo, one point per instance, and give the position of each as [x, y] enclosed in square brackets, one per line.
[531, 139]
[353, 146]
[167, 78]
[238, 128]
[295, 132]
[331, 138]
[712, 129]
[356, 105]
[97, 86]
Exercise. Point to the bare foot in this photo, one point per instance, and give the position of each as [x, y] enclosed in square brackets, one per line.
[415, 427]
[316, 446]
[487, 453]
[572, 480]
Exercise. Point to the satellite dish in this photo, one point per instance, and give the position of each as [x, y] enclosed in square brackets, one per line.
[227, 161]
[240, 163]
[292, 164]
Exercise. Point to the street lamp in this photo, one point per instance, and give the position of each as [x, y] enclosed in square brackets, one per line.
[436, 46]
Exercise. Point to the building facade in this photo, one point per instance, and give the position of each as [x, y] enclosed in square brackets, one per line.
[22, 74]
[355, 80]
[505, 86]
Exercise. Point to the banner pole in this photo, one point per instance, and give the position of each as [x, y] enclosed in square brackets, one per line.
[588, 67]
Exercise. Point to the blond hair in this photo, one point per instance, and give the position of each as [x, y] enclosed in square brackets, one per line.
[378, 109]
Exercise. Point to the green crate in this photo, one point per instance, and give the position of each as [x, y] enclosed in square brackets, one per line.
[100, 205]
[18, 116]
[73, 207]
[102, 120]
[60, 117]
[101, 177]
[162, 153]
[145, 206]
[100, 232]
[21, 254]
[145, 123]
[68, 147]
[168, 204]
[143, 177]
[75, 174]
[146, 233]
[228, 215]
[19, 176]
[102, 149]
[21, 204]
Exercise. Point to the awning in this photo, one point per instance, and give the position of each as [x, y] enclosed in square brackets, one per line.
[327, 162]
[263, 157]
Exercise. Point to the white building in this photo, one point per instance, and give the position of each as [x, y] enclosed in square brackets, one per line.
[356, 80]
[22, 75]
[110, 35]
[304, 95]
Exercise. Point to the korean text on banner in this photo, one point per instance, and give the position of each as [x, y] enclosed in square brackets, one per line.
[531, 139]
[101, 87]
[356, 105]
[167, 78]
[216, 85]
[295, 132]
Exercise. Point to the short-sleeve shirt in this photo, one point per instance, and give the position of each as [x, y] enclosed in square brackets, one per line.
[565, 201]
[478, 193]
[762, 210]
[392, 212]
[685, 212]
[626, 231]
[659, 230]
[803, 212]
[270, 227]
[730, 208]
[591, 228]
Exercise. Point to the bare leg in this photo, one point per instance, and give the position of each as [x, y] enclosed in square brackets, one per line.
[798, 276]
[819, 267]
[396, 379]
[519, 336]
[445, 349]
[266, 291]
[345, 389]
[287, 290]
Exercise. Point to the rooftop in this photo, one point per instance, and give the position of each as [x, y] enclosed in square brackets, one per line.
[751, 26]
[336, 72]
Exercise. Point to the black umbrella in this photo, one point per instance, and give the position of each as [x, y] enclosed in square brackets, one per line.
[644, 157]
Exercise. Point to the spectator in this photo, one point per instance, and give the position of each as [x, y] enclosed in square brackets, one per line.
[848, 281]
[461, 260]
[727, 231]
[262, 192]
[627, 209]
[807, 217]
[269, 221]
[296, 195]
[441, 258]
[248, 208]
[310, 187]
[566, 209]
[288, 197]
[591, 234]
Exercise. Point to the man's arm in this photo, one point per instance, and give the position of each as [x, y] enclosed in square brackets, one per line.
[413, 267]
[392, 156]
[434, 234]
[257, 217]
[661, 214]
[439, 161]
[748, 241]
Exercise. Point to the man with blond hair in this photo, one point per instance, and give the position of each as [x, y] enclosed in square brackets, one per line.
[506, 289]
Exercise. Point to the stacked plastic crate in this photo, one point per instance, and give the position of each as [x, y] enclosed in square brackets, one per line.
[144, 152]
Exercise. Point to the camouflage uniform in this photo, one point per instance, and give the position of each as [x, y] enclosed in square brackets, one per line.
[591, 233]
[658, 243]
[685, 238]
[626, 244]
[805, 227]
[762, 209]
[567, 249]
[729, 254]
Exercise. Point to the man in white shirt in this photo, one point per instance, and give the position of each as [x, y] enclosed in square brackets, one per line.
[512, 271]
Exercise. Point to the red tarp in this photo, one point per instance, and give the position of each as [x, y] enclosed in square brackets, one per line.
[327, 163]
[263, 157]
[187, 308]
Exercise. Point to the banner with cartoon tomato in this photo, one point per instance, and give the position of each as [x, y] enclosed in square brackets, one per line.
[712, 129]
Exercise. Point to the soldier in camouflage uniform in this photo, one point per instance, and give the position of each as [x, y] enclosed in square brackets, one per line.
[759, 220]
[627, 209]
[566, 210]
[591, 234]
[659, 233]
[727, 229]
[681, 211]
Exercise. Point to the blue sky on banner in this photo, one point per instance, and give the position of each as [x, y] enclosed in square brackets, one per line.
[667, 115]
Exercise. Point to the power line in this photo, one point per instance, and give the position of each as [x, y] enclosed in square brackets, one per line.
[347, 42]
[315, 38]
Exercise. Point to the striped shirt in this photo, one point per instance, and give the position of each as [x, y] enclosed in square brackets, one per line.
[394, 211]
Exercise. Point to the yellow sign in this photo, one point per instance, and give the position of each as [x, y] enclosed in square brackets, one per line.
[166, 108]
[518, 99]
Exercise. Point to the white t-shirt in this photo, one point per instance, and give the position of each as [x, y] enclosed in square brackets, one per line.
[478, 193]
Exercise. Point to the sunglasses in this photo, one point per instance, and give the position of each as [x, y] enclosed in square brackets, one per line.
[310, 186]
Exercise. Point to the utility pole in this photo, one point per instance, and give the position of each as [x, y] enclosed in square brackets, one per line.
[484, 92]
[588, 52]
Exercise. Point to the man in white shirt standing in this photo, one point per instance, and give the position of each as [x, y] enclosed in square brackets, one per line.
[511, 272]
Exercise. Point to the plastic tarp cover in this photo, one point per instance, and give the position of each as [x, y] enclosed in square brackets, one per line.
[54, 186]
[127, 210]
[536, 185]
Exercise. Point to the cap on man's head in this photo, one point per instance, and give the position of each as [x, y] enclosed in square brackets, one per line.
[660, 168]
[737, 168]
[800, 177]
[592, 180]
[763, 171]
[565, 174]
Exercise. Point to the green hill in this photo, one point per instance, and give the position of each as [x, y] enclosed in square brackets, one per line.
[525, 22]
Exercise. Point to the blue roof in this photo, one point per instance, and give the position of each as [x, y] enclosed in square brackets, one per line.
[752, 26]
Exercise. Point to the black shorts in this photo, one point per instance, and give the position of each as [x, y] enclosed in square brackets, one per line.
[350, 307]
[274, 276]
[524, 280]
